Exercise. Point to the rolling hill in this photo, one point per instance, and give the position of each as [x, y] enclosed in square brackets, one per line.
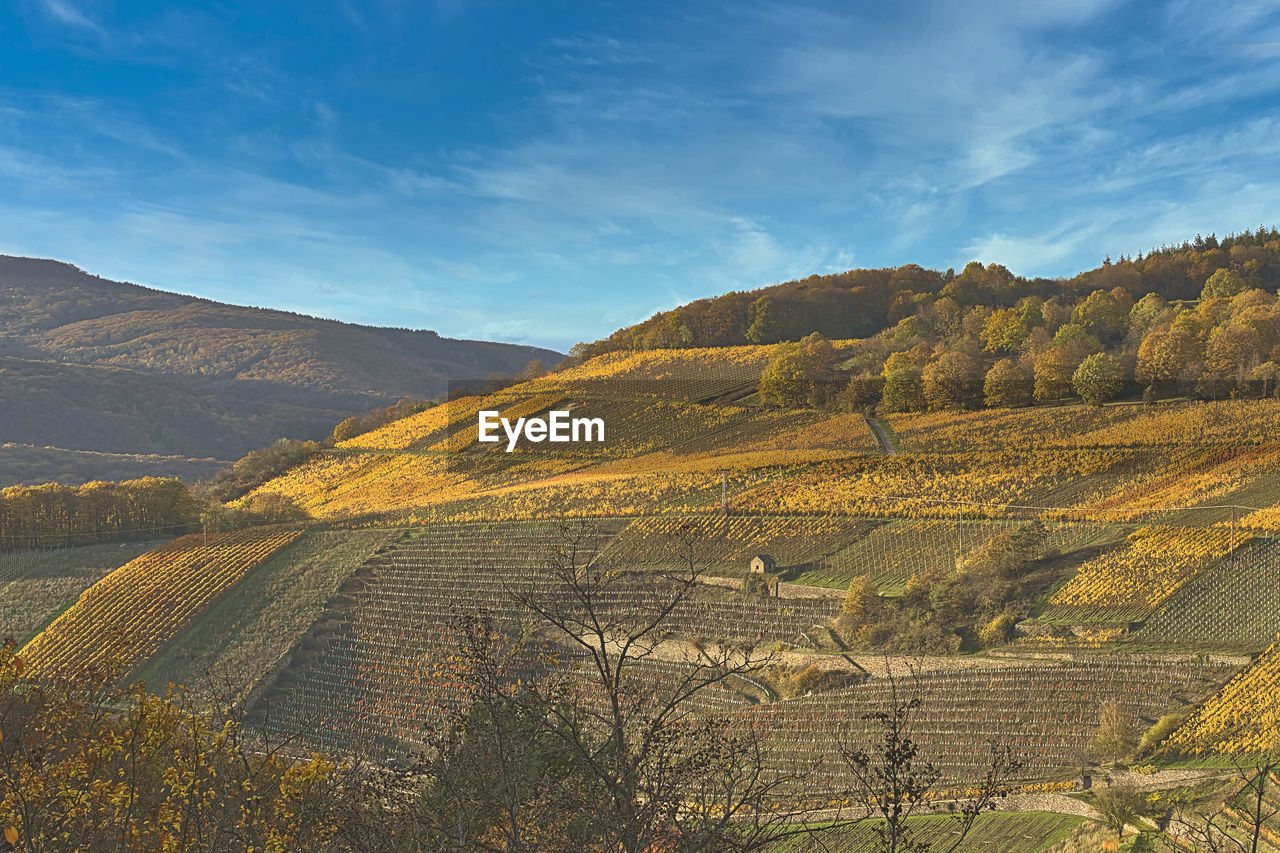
[1081, 526]
[89, 364]
[1032, 570]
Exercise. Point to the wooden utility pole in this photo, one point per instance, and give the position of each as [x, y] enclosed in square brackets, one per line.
[1232, 543]
[724, 492]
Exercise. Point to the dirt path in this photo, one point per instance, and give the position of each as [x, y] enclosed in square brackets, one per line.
[876, 666]
[1059, 803]
[883, 435]
[785, 590]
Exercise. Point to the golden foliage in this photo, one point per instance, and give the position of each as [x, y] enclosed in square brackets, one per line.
[150, 775]
[1233, 422]
[1157, 563]
[1244, 716]
[130, 614]
[929, 485]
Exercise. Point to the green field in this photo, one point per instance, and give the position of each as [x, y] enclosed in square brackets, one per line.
[996, 832]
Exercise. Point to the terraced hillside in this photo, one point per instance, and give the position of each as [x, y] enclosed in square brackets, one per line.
[662, 450]
[1046, 712]
[1034, 568]
[249, 633]
[127, 617]
[35, 586]
[1138, 501]
[374, 671]
[1236, 603]
[1028, 832]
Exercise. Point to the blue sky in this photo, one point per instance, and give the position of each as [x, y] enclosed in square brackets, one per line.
[546, 172]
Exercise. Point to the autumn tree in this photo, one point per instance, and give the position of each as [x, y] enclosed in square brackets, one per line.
[859, 596]
[903, 384]
[52, 515]
[275, 508]
[1116, 736]
[1146, 313]
[904, 304]
[1098, 379]
[909, 331]
[997, 632]
[863, 391]
[1167, 354]
[1007, 329]
[859, 600]
[1119, 805]
[1076, 341]
[1104, 314]
[1233, 350]
[763, 322]
[799, 374]
[533, 370]
[951, 380]
[945, 315]
[1007, 384]
[1223, 284]
[1268, 373]
[1053, 372]
[256, 467]
[103, 768]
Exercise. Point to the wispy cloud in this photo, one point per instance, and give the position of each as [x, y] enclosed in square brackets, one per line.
[1026, 253]
[65, 12]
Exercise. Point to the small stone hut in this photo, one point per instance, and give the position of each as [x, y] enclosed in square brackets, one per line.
[762, 575]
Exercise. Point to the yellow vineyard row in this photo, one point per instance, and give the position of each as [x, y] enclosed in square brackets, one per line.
[132, 613]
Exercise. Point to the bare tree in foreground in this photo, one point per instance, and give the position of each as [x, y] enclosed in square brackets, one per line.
[1208, 827]
[659, 773]
[893, 782]
[611, 745]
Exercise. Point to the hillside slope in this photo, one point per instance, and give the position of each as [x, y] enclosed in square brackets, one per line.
[1076, 555]
[860, 303]
[92, 364]
[670, 449]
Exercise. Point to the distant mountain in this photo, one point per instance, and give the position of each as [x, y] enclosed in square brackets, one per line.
[88, 364]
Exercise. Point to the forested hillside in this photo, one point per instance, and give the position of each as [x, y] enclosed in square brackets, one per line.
[95, 365]
[1199, 319]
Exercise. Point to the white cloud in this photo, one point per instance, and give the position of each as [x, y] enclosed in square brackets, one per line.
[1033, 255]
[65, 12]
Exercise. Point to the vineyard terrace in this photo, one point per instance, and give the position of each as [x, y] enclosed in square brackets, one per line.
[556, 427]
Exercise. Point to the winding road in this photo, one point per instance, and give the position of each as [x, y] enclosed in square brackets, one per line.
[883, 435]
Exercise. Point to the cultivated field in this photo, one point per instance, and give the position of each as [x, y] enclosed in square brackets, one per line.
[1148, 533]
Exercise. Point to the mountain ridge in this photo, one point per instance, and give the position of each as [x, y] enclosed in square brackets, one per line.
[177, 375]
